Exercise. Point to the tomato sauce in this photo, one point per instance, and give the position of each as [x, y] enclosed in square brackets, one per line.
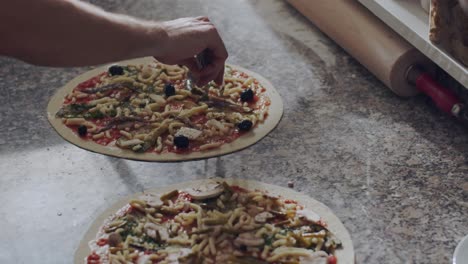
[102, 242]
[331, 259]
[93, 82]
[166, 218]
[195, 146]
[237, 188]
[93, 259]
[176, 106]
[114, 135]
[185, 197]
[198, 119]
[236, 134]
[129, 210]
[320, 222]
[192, 147]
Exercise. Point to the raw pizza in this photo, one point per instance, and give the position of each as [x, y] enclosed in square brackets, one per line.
[155, 108]
[217, 222]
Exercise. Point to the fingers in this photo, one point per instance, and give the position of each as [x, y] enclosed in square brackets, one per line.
[200, 76]
[206, 75]
[191, 63]
[215, 69]
[190, 36]
[203, 18]
[217, 57]
[220, 78]
[219, 63]
[217, 47]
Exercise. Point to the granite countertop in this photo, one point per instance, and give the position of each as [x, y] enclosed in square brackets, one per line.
[392, 169]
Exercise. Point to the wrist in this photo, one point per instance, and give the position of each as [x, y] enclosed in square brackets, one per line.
[153, 39]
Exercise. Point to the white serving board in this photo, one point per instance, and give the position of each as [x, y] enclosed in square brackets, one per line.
[409, 20]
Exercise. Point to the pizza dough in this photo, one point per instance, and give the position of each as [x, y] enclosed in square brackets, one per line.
[345, 255]
[257, 133]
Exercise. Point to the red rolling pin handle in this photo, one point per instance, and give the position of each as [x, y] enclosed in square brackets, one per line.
[445, 99]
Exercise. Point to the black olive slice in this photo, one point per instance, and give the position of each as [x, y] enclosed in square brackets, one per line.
[116, 70]
[169, 90]
[245, 125]
[247, 95]
[181, 142]
[82, 130]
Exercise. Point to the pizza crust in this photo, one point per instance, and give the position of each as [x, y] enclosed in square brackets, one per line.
[345, 255]
[275, 113]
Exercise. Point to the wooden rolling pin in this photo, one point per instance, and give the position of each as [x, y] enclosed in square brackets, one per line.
[366, 38]
[399, 65]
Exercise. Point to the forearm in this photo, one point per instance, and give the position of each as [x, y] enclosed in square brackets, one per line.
[72, 33]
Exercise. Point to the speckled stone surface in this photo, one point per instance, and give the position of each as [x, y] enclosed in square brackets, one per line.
[394, 170]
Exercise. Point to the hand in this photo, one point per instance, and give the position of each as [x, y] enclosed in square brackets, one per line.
[114, 37]
[187, 37]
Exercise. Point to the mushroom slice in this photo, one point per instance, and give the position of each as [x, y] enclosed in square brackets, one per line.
[308, 215]
[263, 217]
[209, 190]
[152, 200]
[190, 133]
[114, 239]
[169, 195]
